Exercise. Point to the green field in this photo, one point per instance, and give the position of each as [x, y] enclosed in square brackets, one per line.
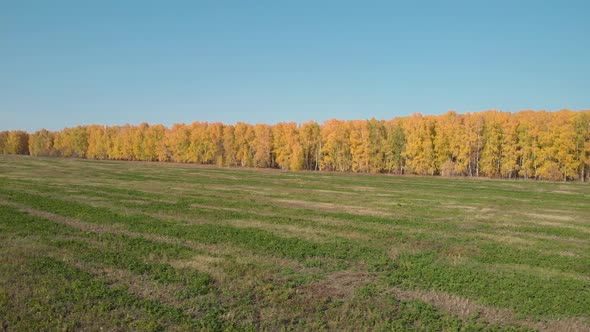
[148, 246]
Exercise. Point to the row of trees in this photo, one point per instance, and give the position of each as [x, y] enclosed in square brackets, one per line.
[528, 144]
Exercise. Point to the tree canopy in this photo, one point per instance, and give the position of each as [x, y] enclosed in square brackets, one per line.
[528, 144]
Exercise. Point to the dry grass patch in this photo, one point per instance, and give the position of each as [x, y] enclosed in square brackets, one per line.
[202, 263]
[17, 250]
[338, 285]
[561, 225]
[466, 309]
[550, 216]
[458, 255]
[286, 230]
[507, 239]
[136, 284]
[550, 274]
[99, 228]
[215, 208]
[563, 239]
[560, 253]
[255, 191]
[459, 206]
[416, 247]
[333, 207]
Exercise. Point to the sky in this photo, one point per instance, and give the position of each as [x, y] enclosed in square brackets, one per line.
[67, 63]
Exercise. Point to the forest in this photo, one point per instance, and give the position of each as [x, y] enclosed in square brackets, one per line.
[537, 145]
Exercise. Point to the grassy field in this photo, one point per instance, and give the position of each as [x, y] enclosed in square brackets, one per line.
[146, 246]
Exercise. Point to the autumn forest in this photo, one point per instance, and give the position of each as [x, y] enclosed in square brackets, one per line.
[527, 144]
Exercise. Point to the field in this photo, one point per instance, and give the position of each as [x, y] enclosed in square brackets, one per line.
[148, 246]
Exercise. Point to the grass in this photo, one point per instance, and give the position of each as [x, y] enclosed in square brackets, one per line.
[147, 246]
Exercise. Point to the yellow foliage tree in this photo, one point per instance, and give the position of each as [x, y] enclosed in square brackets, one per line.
[41, 143]
[528, 144]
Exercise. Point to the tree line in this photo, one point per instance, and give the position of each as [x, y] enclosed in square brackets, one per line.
[528, 144]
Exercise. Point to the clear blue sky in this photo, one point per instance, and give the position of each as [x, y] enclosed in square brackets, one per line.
[64, 63]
